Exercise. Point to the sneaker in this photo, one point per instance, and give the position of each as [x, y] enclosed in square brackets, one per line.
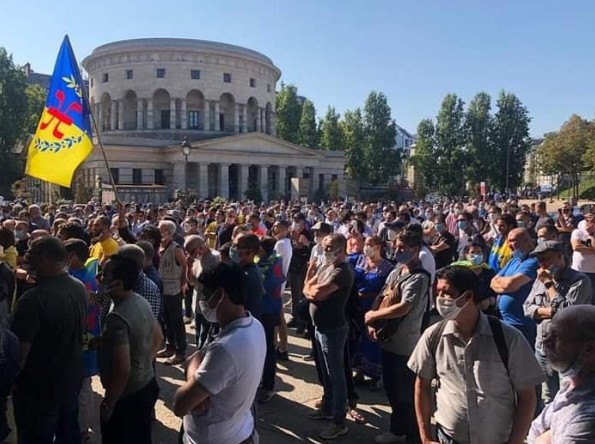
[333, 431]
[187, 320]
[282, 355]
[165, 353]
[320, 414]
[389, 438]
[264, 396]
[175, 360]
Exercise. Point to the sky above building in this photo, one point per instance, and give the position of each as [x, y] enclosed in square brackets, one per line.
[337, 51]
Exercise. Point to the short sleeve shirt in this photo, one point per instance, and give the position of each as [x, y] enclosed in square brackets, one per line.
[475, 399]
[330, 313]
[105, 248]
[511, 304]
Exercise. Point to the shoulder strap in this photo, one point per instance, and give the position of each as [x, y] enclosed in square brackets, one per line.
[498, 333]
[435, 336]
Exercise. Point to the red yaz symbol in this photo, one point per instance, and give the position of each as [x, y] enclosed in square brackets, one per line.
[60, 115]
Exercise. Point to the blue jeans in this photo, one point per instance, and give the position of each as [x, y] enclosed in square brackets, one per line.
[547, 390]
[330, 345]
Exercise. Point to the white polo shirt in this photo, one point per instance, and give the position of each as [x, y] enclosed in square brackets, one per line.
[582, 262]
[230, 371]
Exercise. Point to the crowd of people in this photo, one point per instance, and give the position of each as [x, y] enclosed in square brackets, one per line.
[476, 318]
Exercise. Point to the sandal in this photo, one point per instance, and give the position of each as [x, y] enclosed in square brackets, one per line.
[174, 360]
[356, 416]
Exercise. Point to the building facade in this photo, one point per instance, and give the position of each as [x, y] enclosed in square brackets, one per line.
[149, 95]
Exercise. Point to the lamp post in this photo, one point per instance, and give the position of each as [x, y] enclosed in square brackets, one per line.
[186, 147]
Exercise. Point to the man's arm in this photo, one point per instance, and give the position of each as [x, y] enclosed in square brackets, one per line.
[397, 310]
[579, 247]
[181, 259]
[523, 415]
[192, 393]
[501, 284]
[117, 376]
[320, 292]
[157, 340]
[423, 409]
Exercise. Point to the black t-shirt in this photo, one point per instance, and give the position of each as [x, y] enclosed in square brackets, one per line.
[52, 317]
[300, 254]
[445, 257]
[330, 313]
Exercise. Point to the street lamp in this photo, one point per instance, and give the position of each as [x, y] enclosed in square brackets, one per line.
[186, 147]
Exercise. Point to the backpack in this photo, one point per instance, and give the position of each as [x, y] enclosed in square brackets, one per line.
[495, 326]
[387, 328]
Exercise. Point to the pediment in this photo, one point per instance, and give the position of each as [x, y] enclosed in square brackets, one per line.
[257, 143]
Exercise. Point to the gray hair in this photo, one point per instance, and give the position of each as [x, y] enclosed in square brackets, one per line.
[194, 240]
[169, 226]
[134, 252]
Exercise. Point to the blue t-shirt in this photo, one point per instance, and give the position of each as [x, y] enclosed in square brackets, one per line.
[511, 304]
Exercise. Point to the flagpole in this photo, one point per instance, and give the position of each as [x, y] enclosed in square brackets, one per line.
[109, 171]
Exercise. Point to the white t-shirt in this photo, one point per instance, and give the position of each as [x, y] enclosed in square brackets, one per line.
[230, 371]
[581, 261]
[428, 262]
[285, 251]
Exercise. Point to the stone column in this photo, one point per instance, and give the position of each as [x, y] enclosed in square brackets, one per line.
[281, 178]
[217, 121]
[180, 175]
[264, 182]
[315, 180]
[172, 113]
[203, 180]
[150, 122]
[224, 180]
[121, 114]
[139, 114]
[242, 180]
[184, 115]
[113, 115]
[273, 124]
[258, 120]
[236, 119]
[207, 116]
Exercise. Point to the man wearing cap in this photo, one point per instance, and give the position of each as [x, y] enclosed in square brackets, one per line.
[222, 378]
[557, 286]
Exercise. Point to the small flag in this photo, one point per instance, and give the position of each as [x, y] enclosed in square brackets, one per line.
[63, 137]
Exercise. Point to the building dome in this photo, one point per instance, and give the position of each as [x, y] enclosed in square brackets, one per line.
[168, 84]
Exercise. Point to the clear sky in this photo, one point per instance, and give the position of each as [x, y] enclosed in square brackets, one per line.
[337, 51]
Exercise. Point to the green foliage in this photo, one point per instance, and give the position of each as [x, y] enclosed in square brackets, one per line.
[308, 132]
[36, 97]
[510, 141]
[14, 118]
[333, 189]
[424, 158]
[331, 137]
[382, 160]
[288, 113]
[254, 194]
[478, 127]
[354, 142]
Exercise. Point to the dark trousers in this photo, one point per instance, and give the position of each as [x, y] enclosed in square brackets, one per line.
[269, 322]
[175, 333]
[297, 293]
[188, 302]
[131, 420]
[399, 384]
[38, 419]
[202, 330]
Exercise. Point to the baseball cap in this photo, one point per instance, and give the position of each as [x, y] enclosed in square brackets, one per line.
[322, 227]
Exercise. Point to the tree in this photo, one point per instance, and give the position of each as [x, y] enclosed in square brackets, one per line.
[449, 143]
[354, 140]
[330, 132]
[288, 113]
[308, 133]
[477, 127]
[36, 97]
[382, 160]
[424, 157]
[510, 142]
[14, 119]
[564, 151]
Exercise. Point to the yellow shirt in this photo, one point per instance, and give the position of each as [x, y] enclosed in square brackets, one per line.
[211, 234]
[103, 249]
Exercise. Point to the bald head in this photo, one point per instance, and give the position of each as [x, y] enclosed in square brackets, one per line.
[519, 239]
[579, 319]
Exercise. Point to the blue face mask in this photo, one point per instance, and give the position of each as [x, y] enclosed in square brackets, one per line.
[475, 259]
[518, 254]
[439, 228]
[520, 223]
[404, 257]
[462, 225]
[234, 255]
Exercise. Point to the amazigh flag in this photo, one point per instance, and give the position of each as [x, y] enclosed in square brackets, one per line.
[63, 137]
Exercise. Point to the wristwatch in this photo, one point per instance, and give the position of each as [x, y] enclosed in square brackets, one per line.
[549, 284]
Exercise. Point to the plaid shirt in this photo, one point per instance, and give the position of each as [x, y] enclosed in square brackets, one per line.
[150, 291]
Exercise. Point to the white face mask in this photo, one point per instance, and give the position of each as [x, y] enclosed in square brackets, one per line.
[448, 308]
[209, 313]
